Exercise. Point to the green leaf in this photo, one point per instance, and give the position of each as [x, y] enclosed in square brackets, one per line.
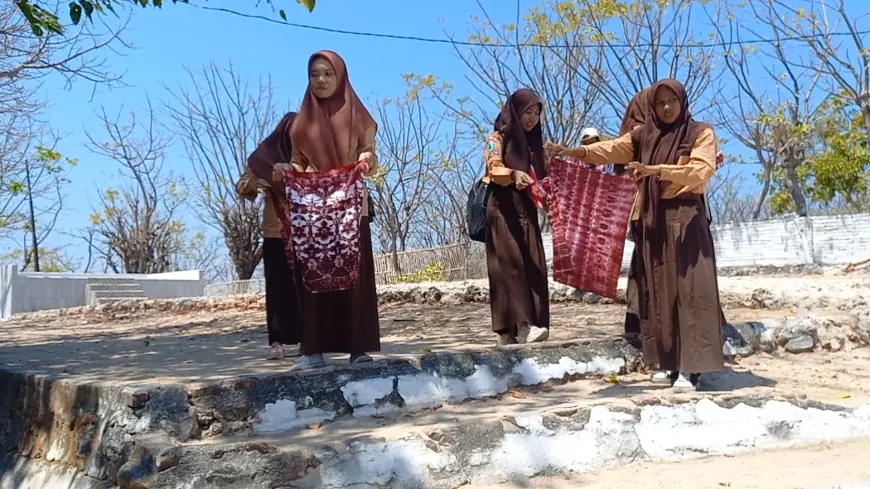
[75, 12]
[88, 6]
[309, 4]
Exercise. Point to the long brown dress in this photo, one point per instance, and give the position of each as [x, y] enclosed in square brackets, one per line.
[326, 134]
[282, 299]
[515, 259]
[684, 331]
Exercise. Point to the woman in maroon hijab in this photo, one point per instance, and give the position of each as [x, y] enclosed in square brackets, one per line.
[677, 157]
[515, 260]
[333, 129]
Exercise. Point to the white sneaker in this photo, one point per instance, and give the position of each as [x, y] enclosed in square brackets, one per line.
[661, 377]
[308, 362]
[684, 383]
[532, 334]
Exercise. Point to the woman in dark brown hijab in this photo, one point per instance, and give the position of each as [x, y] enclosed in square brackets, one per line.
[634, 118]
[677, 155]
[515, 260]
[282, 304]
[334, 129]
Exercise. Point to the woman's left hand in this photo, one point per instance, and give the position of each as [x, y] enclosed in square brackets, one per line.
[639, 170]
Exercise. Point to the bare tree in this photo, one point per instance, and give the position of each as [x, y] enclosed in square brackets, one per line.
[728, 200]
[774, 123]
[220, 121]
[408, 149]
[515, 56]
[136, 228]
[630, 46]
[27, 58]
[33, 176]
[843, 60]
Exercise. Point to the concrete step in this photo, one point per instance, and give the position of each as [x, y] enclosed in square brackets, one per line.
[109, 286]
[99, 281]
[120, 292]
[482, 445]
[109, 300]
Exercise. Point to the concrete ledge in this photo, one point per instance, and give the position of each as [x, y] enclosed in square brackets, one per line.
[122, 433]
[516, 448]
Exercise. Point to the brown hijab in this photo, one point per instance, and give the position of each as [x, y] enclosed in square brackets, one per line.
[636, 113]
[657, 143]
[521, 147]
[326, 130]
[274, 149]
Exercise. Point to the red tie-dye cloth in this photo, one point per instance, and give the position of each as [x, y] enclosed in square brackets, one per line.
[589, 213]
[321, 235]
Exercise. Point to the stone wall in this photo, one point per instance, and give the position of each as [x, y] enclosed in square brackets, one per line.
[788, 242]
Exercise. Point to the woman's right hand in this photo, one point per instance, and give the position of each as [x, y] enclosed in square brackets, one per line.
[521, 179]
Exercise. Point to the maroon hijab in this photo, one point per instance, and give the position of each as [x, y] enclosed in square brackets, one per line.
[521, 147]
[274, 149]
[327, 129]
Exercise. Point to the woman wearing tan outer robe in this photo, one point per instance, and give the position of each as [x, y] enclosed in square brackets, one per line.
[331, 130]
[683, 334]
[282, 302]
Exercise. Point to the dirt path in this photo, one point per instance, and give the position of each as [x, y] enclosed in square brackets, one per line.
[201, 345]
[839, 466]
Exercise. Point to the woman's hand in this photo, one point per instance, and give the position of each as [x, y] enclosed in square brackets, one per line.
[278, 171]
[640, 171]
[521, 179]
[261, 184]
[366, 158]
[553, 149]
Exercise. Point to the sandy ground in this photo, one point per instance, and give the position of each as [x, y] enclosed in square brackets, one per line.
[840, 466]
[203, 345]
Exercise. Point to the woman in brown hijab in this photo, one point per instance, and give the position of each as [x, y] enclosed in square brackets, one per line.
[282, 305]
[634, 118]
[683, 334]
[334, 129]
[515, 260]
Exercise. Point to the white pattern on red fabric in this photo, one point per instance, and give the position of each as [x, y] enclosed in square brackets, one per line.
[589, 213]
[322, 233]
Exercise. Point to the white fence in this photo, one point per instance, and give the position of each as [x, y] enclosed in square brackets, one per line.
[29, 291]
[796, 241]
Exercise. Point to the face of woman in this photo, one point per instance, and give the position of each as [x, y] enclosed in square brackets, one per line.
[667, 105]
[531, 117]
[322, 79]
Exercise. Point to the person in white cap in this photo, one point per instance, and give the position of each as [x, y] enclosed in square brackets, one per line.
[590, 135]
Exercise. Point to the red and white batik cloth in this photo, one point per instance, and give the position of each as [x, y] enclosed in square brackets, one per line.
[323, 230]
[589, 213]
